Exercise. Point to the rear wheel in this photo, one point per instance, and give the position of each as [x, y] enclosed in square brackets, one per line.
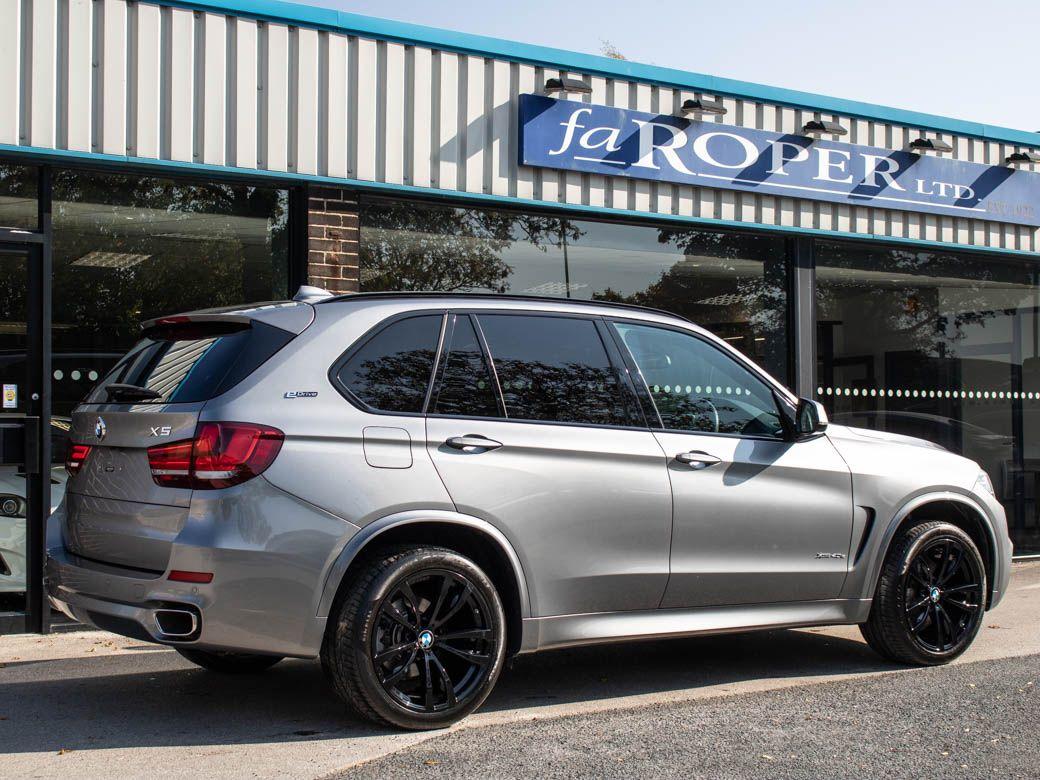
[418, 641]
[228, 662]
[930, 598]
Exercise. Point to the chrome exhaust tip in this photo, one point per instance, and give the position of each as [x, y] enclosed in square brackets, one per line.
[176, 624]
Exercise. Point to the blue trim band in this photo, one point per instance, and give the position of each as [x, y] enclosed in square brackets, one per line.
[342, 21]
[173, 167]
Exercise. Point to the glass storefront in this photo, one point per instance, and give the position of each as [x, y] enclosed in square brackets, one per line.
[733, 284]
[942, 346]
[125, 248]
[129, 248]
[939, 345]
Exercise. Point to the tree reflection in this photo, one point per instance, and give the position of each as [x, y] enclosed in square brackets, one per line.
[564, 392]
[392, 382]
[128, 248]
[414, 247]
[901, 298]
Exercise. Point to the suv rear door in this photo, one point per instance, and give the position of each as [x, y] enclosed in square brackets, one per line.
[116, 514]
[546, 441]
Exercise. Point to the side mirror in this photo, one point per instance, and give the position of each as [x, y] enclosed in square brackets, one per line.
[809, 419]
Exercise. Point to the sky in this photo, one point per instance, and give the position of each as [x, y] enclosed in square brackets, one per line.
[967, 59]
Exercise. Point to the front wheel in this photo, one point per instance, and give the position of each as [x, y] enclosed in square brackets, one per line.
[930, 598]
[418, 641]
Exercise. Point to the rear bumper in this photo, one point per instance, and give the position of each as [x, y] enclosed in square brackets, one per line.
[265, 589]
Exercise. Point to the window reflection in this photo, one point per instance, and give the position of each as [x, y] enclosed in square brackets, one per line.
[733, 284]
[940, 346]
[130, 248]
[555, 369]
[19, 185]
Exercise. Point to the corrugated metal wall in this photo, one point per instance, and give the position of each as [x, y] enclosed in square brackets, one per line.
[132, 78]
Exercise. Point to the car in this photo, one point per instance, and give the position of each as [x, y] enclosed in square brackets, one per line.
[415, 487]
[13, 511]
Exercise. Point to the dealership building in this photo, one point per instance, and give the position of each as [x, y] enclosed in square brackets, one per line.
[164, 156]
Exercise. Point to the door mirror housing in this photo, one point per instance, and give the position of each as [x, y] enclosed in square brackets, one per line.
[809, 419]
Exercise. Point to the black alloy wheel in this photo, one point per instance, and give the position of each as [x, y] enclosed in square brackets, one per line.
[931, 596]
[943, 595]
[433, 641]
[418, 639]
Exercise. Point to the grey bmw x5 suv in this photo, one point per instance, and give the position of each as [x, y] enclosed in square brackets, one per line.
[413, 487]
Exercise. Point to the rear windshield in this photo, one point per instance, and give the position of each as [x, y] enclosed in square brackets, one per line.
[191, 362]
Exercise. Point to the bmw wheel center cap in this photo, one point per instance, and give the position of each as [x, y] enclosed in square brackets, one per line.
[425, 639]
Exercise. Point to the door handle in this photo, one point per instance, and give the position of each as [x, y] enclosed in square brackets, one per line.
[473, 443]
[697, 459]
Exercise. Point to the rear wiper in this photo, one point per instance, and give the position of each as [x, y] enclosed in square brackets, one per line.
[122, 392]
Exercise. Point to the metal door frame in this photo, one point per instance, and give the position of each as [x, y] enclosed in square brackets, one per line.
[36, 245]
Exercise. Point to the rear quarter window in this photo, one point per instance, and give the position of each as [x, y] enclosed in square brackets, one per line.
[391, 371]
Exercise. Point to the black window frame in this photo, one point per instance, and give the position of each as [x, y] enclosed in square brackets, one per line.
[365, 338]
[778, 391]
[442, 365]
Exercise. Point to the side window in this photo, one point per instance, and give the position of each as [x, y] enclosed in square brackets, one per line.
[697, 387]
[555, 369]
[466, 388]
[391, 371]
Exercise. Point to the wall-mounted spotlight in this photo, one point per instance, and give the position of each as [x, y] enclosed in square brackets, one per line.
[1022, 158]
[922, 145]
[567, 84]
[701, 106]
[818, 127]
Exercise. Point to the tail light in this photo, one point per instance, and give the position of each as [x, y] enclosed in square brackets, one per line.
[221, 455]
[75, 457]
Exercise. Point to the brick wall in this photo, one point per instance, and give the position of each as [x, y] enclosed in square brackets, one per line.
[332, 239]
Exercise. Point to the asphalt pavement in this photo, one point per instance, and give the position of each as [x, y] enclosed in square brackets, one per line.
[93, 704]
[977, 720]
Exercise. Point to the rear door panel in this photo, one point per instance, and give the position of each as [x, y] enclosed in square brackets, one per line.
[587, 509]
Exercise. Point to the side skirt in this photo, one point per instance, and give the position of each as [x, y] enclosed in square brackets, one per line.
[601, 627]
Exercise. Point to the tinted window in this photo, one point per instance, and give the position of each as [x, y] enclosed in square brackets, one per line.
[554, 368]
[391, 371]
[466, 387]
[193, 362]
[697, 387]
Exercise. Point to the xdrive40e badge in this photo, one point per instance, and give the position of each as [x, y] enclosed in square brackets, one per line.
[100, 429]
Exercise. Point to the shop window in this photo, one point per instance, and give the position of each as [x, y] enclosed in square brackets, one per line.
[941, 346]
[733, 284]
[128, 248]
[19, 185]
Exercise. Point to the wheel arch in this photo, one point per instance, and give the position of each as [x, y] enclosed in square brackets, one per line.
[470, 536]
[955, 508]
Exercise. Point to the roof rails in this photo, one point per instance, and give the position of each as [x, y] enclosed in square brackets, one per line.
[497, 297]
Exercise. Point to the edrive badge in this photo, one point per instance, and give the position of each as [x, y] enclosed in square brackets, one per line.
[100, 429]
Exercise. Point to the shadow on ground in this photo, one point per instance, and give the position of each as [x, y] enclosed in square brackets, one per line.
[157, 699]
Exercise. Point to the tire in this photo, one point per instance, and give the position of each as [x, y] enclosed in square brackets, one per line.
[417, 640]
[228, 662]
[931, 595]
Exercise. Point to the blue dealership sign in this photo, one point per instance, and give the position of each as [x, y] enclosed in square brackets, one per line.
[584, 137]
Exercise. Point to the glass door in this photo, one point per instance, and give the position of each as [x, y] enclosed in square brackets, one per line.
[30, 479]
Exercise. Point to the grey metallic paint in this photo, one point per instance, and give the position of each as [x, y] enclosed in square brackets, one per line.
[583, 514]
